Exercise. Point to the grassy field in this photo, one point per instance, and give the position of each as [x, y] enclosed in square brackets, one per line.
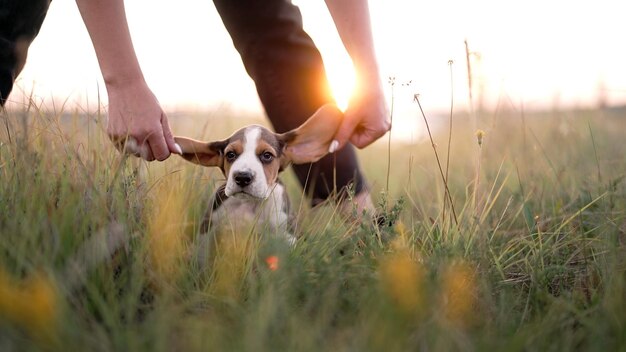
[100, 252]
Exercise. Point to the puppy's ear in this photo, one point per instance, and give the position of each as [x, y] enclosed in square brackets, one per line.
[310, 142]
[202, 153]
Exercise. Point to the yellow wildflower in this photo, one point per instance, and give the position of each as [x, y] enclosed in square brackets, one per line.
[31, 304]
[402, 278]
[458, 293]
[401, 241]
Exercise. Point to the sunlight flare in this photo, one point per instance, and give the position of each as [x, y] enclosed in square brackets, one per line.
[342, 80]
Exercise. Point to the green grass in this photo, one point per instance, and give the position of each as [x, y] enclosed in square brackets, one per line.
[101, 252]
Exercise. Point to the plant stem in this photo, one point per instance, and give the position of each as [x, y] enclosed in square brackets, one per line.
[450, 62]
[389, 141]
[445, 182]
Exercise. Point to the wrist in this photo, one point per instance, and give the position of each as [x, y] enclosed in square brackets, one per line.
[130, 91]
[367, 73]
[369, 83]
[121, 81]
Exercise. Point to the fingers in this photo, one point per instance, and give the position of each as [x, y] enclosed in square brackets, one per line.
[156, 146]
[344, 133]
[129, 145]
[162, 144]
[362, 137]
[152, 149]
[146, 152]
[366, 120]
[360, 130]
[169, 137]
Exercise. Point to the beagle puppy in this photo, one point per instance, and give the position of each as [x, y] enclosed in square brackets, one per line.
[251, 160]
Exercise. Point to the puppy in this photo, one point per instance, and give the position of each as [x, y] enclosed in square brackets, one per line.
[251, 160]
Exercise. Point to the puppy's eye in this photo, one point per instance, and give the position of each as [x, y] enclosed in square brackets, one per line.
[266, 157]
[231, 156]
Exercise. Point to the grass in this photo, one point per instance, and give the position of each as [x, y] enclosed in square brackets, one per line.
[102, 253]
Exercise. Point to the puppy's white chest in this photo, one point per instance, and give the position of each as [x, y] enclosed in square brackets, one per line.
[270, 215]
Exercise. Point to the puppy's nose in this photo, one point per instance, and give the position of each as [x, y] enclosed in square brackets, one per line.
[243, 178]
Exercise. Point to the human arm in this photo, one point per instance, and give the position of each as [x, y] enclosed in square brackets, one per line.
[134, 112]
[366, 118]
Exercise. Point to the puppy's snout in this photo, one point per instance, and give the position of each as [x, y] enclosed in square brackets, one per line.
[243, 178]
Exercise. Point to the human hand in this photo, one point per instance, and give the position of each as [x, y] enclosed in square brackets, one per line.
[137, 125]
[365, 120]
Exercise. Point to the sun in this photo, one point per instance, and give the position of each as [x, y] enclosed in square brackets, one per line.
[342, 80]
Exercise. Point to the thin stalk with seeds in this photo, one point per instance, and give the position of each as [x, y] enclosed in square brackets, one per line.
[392, 82]
[479, 137]
[450, 62]
[470, 84]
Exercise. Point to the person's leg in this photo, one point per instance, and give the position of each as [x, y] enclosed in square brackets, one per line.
[20, 21]
[291, 81]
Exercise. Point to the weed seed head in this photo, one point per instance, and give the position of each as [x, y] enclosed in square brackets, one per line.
[480, 134]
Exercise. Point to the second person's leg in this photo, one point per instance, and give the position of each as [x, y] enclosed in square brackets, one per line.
[20, 21]
[291, 82]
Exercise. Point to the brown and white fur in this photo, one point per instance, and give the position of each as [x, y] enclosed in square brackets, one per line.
[251, 160]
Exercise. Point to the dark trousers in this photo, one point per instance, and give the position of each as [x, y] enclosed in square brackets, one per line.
[20, 21]
[279, 56]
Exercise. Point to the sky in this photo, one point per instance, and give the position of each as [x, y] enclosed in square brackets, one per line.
[534, 53]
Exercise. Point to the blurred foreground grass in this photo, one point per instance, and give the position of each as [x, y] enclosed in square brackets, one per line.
[100, 252]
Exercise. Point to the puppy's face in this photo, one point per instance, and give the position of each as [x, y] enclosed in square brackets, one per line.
[251, 161]
[253, 156]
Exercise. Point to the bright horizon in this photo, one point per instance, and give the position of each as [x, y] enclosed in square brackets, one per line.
[539, 54]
